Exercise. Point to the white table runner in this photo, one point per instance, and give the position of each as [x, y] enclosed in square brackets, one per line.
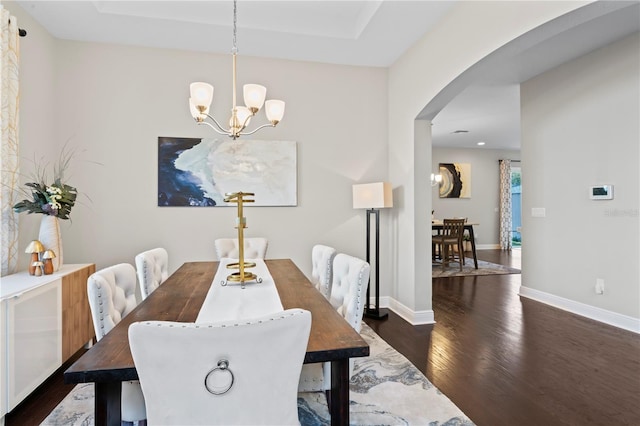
[233, 302]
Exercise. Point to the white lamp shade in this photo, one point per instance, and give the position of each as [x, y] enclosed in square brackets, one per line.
[194, 111]
[243, 114]
[274, 110]
[202, 94]
[254, 95]
[372, 195]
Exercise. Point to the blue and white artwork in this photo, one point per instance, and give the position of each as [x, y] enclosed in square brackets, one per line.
[199, 172]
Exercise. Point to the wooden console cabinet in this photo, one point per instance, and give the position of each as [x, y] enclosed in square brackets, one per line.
[77, 325]
[44, 320]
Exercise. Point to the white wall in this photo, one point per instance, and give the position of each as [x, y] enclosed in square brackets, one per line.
[459, 41]
[580, 128]
[485, 191]
[37, 103]
[114, 101]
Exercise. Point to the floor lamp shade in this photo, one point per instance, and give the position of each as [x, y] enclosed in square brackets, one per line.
[377, 195]
[373, 197]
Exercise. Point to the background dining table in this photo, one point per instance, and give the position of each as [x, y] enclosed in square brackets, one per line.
[437, 225]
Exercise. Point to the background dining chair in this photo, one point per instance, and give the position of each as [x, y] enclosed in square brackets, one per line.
[112, 295]
[254, 248]
[348, 292]
[322, 268]
[152, 267]
[185, 380]
[450, 242]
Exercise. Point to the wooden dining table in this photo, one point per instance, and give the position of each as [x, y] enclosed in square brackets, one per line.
[437, 225]
[180, 297]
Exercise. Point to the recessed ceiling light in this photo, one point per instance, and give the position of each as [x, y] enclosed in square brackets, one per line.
[480, 143]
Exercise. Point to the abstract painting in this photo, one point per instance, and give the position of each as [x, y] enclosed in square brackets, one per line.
[456, 180]
[199, 172]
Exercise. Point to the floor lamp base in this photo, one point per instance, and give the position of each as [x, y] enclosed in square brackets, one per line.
[375, 313]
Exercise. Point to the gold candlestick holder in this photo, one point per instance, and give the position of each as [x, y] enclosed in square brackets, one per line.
[242, 276]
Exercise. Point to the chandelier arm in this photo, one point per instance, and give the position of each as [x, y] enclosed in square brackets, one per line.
[225, 131]
[246, 121]
[256, 129]
[220, 132]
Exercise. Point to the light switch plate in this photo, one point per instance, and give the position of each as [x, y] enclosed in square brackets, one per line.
[538, 212]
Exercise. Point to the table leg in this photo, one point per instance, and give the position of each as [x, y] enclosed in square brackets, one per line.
[340, 392]
[107, 404]
[472, 238]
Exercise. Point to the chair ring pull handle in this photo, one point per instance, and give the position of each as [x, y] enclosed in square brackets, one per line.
[223, 367]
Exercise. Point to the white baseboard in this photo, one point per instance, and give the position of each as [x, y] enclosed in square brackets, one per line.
[487, 246]
[598, 314]
[588, 311]
[409, 315]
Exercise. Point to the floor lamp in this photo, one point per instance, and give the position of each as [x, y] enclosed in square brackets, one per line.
[373, 197]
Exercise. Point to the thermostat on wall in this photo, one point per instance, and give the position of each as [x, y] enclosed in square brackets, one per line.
[601, 192]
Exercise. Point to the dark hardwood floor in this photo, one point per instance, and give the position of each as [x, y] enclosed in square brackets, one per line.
[504, 360]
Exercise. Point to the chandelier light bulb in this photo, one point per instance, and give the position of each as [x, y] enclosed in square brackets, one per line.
[195, 113]
[274, 110]
[202, 95]
[254, 95]
[243, 117]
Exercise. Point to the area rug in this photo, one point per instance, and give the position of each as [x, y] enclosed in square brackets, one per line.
[484, 268]
[386, 389]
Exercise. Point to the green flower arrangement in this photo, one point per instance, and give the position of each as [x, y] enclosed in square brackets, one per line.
[55, 199]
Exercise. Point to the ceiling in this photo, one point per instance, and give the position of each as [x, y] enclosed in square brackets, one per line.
[486, 103]
[340, 32]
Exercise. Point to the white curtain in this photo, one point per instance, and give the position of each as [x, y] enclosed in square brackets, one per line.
[505, 205]
[9, 95]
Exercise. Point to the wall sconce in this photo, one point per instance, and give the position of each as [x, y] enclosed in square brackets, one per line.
[436, 179]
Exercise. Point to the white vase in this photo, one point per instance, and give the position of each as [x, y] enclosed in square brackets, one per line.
[51, 238]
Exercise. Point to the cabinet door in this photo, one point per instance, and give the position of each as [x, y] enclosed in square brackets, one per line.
[34, 339]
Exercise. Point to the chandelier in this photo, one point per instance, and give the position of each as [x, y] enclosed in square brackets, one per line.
[254, 99]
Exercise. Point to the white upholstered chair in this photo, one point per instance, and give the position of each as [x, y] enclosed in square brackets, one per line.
[321, 268]
[235, 372]
[254, 248]
[152, 267]
[112, 295]
[348, 292]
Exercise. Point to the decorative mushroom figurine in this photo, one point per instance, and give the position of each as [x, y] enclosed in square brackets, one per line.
[38, 268]
[35, 247]
[47, 261]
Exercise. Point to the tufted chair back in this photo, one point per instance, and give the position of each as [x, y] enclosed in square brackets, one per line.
[321, 268]
[349, 288]
[152, 267]
[348, 293]
[257, 385]
[112, 295]
[254, 248]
